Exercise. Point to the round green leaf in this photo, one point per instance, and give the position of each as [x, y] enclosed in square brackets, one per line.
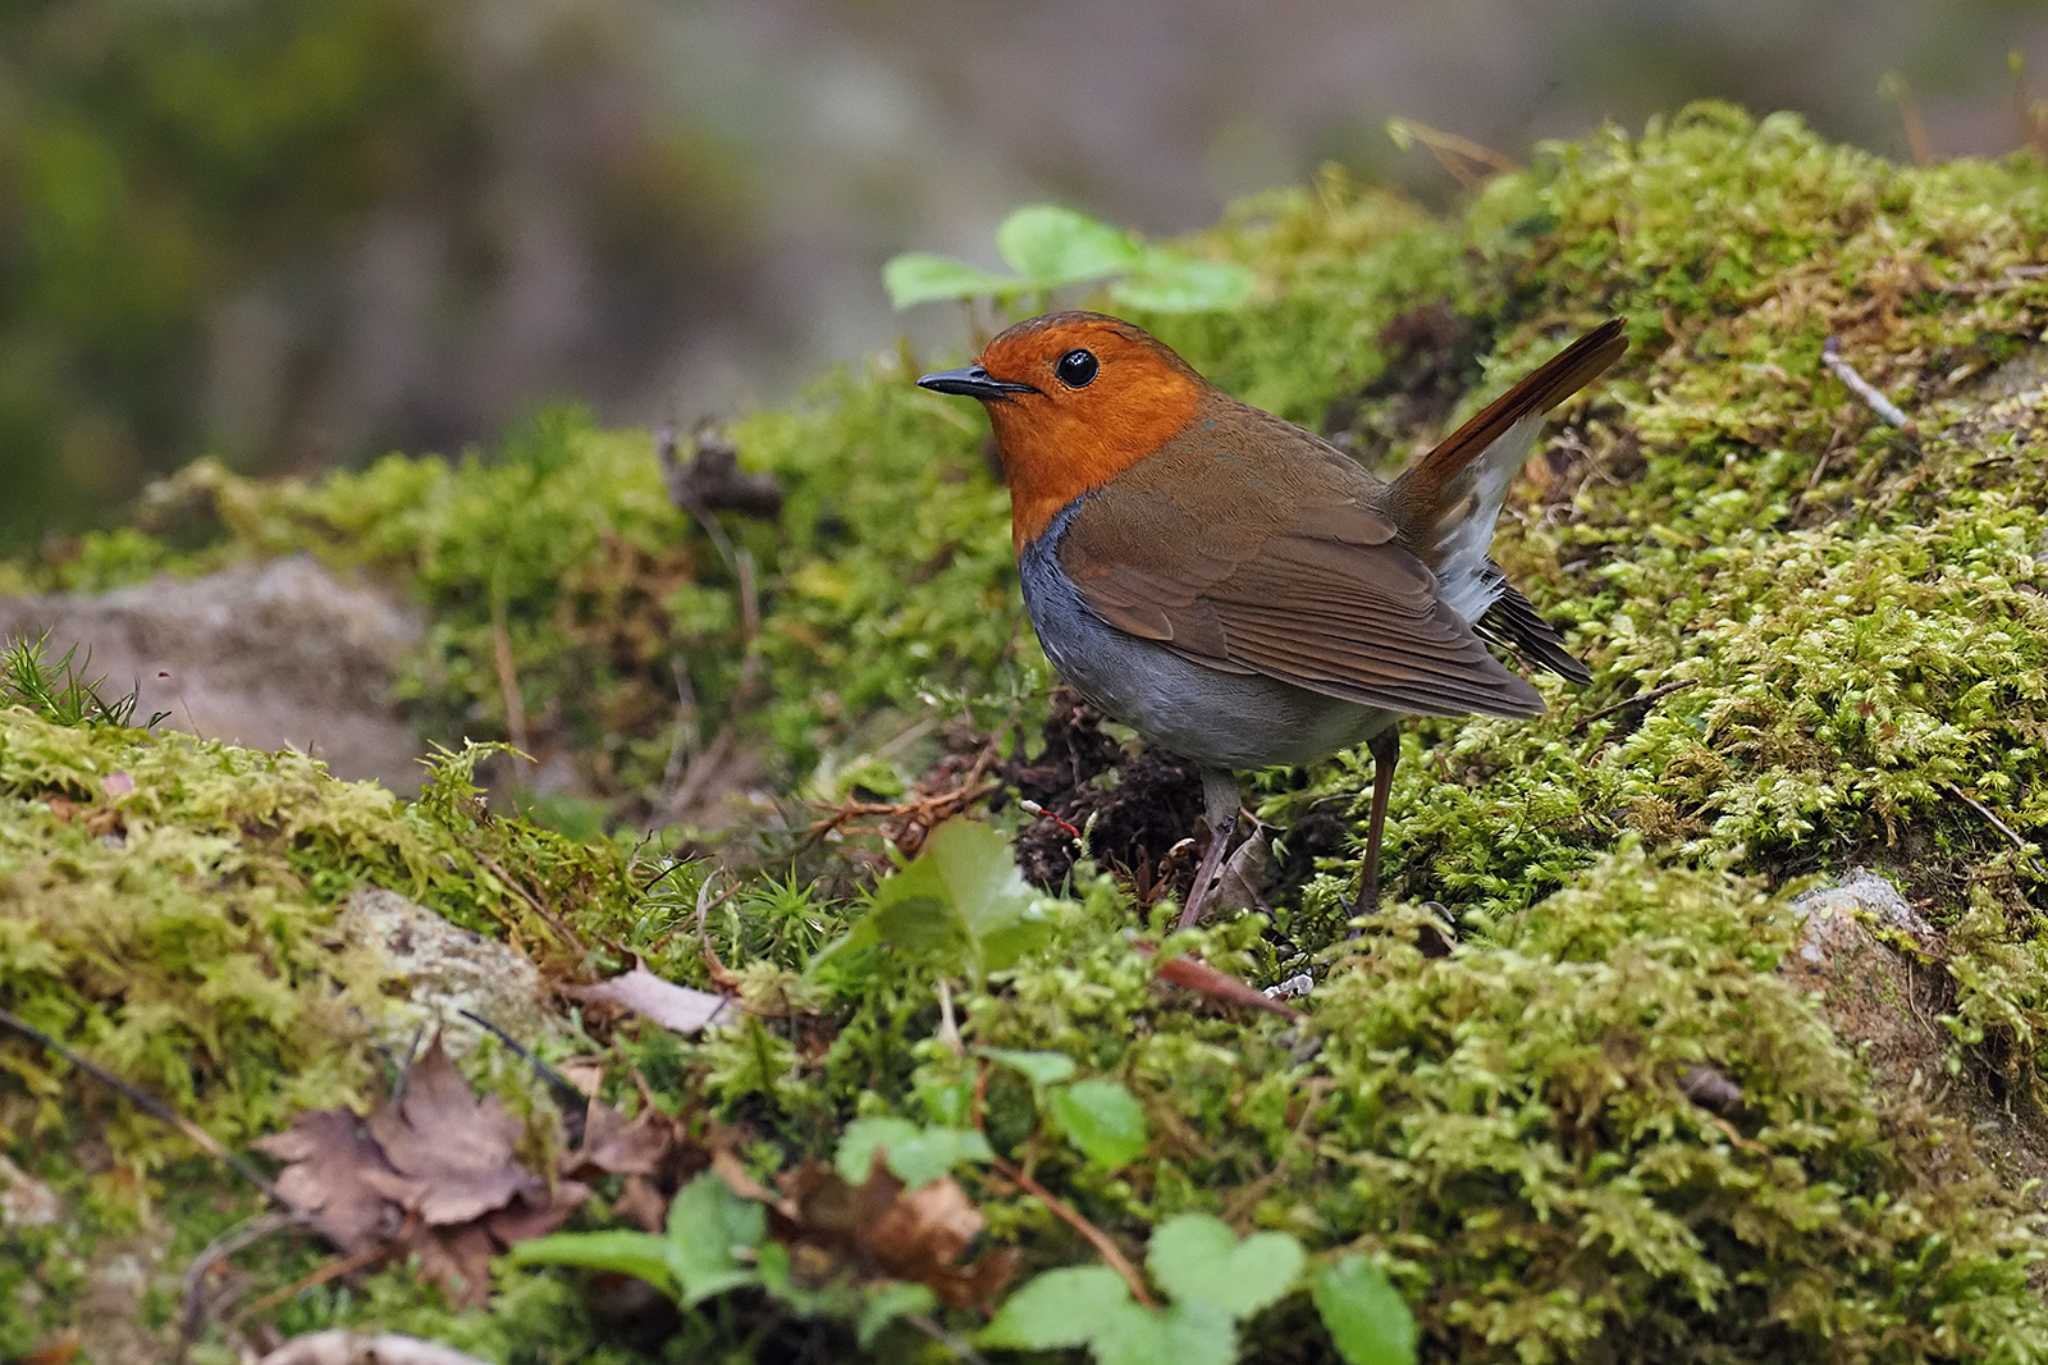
[1167, 283]
[1043, 1068]
[1102, 1119]
[1198, 1259]
[920, 277]
[1059, 1308]
[1366, 1316]
[1048, 245]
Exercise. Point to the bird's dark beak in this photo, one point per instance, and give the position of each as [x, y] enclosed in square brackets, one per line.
[973, 381]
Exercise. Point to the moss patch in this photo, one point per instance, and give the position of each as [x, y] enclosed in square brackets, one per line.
[1834, 632]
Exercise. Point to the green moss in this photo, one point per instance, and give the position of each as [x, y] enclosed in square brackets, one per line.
[1841, 624]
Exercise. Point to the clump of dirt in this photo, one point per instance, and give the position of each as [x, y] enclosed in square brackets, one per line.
[1432, 362]
[1141, 804]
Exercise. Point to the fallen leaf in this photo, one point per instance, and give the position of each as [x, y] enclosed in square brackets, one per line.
[878, 1230]
[451, 1152]
[332, 1161]
[616, 1145]
[677, 1008]
[431, 1172]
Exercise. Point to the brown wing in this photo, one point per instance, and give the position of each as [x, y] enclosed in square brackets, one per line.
[1250, 546]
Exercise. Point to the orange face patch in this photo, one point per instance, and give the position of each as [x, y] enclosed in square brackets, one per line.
[1106, 395]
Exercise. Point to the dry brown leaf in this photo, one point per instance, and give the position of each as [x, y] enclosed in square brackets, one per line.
[451, 1153]
[431, 1173]
[677, 1008]
[878, 1230]
[615, 1145]
[332, 1160]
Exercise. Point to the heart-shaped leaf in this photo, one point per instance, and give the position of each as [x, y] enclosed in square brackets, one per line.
[920, 277]
[1049, 246]
[1059, 1308]
[1198, 1259]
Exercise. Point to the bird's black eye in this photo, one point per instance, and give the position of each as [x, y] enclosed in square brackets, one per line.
[1076, 368]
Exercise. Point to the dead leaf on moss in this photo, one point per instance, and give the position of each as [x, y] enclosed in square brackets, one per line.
[330, 1158]
[679, 1009]
[432, 1172]
[880, 1230]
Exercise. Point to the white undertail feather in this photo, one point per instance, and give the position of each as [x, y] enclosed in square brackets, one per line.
[1464, 569]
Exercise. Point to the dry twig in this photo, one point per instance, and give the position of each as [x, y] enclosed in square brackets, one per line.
[151, 1105]
[1831, 356]
[1654, 695]
[1991, 818]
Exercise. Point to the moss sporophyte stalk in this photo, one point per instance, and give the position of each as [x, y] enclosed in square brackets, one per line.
[1830, 636]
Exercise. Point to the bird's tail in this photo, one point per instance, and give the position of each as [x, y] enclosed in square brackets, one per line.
[1448, 502]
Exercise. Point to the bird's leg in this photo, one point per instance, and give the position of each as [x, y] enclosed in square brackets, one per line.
[1219, 808]
[1386, 752]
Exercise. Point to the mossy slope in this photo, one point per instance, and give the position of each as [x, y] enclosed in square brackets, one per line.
[1847, 621]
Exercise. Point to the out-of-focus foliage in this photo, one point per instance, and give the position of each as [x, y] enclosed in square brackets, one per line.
[244, 225]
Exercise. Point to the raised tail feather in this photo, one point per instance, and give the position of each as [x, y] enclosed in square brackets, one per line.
[1450, 500]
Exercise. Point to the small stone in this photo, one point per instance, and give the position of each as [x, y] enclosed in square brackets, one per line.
[448, 969]
[26, 1202]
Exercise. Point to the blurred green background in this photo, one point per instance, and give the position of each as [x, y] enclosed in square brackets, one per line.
[302, 232]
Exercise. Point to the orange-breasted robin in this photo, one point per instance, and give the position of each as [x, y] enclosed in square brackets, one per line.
[1237, 589]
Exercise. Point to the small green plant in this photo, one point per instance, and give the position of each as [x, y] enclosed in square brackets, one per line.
[1212, 1282]
[63, 691]
[961, 903]
[714, 1243]
[1051, 247]
[1100, 1117]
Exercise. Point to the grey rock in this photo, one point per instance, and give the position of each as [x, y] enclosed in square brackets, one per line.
[267, 655]
[447, 969]
[1830, 913]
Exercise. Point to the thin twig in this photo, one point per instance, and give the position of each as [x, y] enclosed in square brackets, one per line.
[321, 1274]
[1095, 1236]
[1831, 356]
[1447, 146]
[509, 694]
[192, 1317]
[928, 1325]
[2008, 831]
[154, 1107]
[1655, 694]
[572, 1103]
[563, 934]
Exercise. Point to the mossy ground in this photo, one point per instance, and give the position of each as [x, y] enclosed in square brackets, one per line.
[1842, 624]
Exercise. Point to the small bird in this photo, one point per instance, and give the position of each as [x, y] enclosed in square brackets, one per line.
[1238, 590]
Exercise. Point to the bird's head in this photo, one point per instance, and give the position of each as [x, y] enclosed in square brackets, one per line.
[1075, 399]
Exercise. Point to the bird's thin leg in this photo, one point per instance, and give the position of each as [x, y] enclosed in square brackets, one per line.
[1386, 752]
[1219, 808]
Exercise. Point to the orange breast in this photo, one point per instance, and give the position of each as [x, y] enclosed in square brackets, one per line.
[1054, 451]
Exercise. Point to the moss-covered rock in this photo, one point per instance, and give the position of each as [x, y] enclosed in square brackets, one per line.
[1817, 641]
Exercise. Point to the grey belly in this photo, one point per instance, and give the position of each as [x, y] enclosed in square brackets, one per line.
[1222, 720]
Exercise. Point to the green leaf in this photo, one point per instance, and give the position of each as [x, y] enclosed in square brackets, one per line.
[1197, 1259]
[1183, 1334]
[1068, 1307]
[1102, 1119]
[707, 1223]
[642, 1255]
[1049, 246]
[961, 899]
[1043, 1068]
[920, 277]
[887, 1302]
[916, 1156]
[1365, 1314]
[1166, 282]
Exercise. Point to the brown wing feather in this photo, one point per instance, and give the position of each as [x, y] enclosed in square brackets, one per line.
[1292, 572]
